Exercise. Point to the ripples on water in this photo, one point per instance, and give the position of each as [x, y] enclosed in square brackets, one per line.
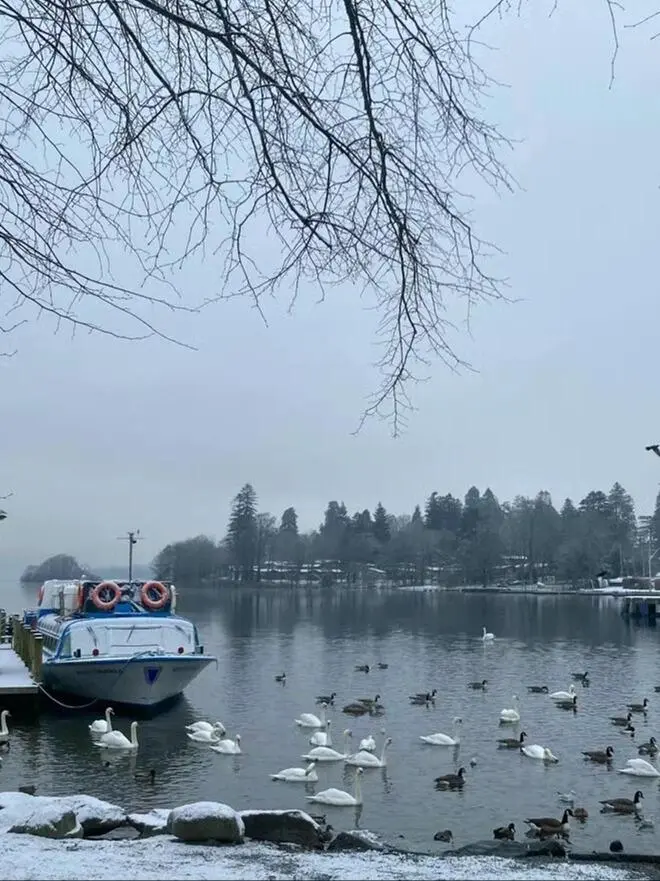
[430, 640]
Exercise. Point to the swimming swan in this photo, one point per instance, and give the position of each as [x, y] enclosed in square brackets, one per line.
[228, 747]
[309, 720]
[366, 759]
[297, 775]
[117, 740]
[564, 695]
[327, 754]
[204, 735]
[338, 797]
[216, 727]
[512, 714]
[443, 739]
[486, 636]
[322, 738]
[101, 726]
[639, 768]
[534, 751]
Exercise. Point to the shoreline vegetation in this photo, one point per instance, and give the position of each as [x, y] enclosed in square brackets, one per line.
[447, 542]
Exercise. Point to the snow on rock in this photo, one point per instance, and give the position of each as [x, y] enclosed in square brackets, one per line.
[49, 820]
[207, 821]
[283, 827]
[94, 815]
[152, 823]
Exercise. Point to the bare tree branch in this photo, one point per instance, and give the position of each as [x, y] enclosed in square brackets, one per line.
[330, 134]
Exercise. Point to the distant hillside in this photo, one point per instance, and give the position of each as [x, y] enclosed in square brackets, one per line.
[120, 570]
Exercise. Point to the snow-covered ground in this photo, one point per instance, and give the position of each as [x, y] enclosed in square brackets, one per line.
[27, 857]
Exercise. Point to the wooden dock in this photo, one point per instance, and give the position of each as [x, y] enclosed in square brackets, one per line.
[20, 667]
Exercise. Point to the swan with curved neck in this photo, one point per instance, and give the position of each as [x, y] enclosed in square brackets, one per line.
[297, 775]
[564, 695]
[310, 720]
[4, 730]
[228, 747]
[486, 636]
[511, 714]
[216, 727]
[117, 740]
[205, 735]
[328, 754]
[338, 797]
[444, 739]
[101, 726]
[322, 738]
[365, 759]
[542, 753]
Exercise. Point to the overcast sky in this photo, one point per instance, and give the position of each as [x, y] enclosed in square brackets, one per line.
[99, 436]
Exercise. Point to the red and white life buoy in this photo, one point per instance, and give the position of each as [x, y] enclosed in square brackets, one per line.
[150, 588]
[100, 592]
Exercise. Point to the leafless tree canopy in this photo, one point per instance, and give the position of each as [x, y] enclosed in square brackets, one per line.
[336, 129]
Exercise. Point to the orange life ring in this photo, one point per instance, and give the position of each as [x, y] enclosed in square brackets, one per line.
[40, 595]
[161, 590]
[97, 599]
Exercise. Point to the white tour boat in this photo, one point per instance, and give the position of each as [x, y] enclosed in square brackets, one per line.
[118, 642]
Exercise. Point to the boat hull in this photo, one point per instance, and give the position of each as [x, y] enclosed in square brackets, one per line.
[145, 683]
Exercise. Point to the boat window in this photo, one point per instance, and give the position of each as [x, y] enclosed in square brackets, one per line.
[65, 650]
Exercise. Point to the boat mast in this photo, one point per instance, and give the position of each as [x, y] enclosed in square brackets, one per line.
[132, 538]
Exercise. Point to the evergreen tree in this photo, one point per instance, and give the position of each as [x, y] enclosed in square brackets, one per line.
[242, 533]
[381, 526]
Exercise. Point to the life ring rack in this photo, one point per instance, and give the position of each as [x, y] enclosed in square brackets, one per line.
[146, 595]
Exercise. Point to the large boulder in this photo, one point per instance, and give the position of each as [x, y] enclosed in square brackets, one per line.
[283, 827]
[50, 820]
[94, 815]
[152, 823]
[207, 821]
[356, 839]
[121, 833]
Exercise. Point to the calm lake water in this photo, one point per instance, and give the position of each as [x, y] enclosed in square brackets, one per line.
[430, 640]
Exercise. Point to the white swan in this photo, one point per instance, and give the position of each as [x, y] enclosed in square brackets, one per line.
[117, 740]
[443, 739]
[564, 695]
[512, 714]
[216, 727]
[309, 720]
[228, 747]
[327, 754]
[297, 775]
[640, 768]
[534, 751]
[204, 735]
[338, 797]
[365, 759]
[367, 744]
[4, 731]
[486, 636]
[322, 738]
[101, 726]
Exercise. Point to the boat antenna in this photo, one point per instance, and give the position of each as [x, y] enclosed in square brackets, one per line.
[132, 538]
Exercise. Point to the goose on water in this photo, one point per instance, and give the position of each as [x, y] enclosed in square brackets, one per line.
[505, 833]
[550, 824]
[450, 781]
[650, 748]
[355, 709]
[382, 665]
[444, 835]
[639, 768]
[328, 754]
[117, 740]
[564, 695]
[338, 797]
[623, 805]
[362, 668]
[326, 698]
[369, 702]
[599, 755]
[621, 720]
[511, 714]
[580, 677]
[228, 747]
[422, 699]
[297, 775]
[639, 708]
[444, 739]
[366, 759]
[538, 689]
[281, 677]
[486, 636]
[322, 738]
[581, 814]
[542, 753]
[100, 726]
[629, 730]
[478, 686]
[512, 742]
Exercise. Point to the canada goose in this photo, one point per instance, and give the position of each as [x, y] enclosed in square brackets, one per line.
[550, 824]
[326, 698]
[623, 805]
[654, 447]
[369, 702]
[382, 666]
[505, 833]
[568, 705]
[538, 689]
[478, 686]
[650, 748]
[355, 709]
[445, 835]
[512, 742]
[362, 668]
[621, 720]
[629, 729]
[450, 781]
[580, 677]
[423, 695]
[581, 814]
[421, 700]
[281, 677]
[149, 777]
[599, 755]
[639, 708]
[28, 789]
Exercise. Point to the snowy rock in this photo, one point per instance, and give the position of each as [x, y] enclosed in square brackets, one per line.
[94, 815]
[50, 820]
[207, 821]
[356, 839]
[152, 823]
[283, 827]
[121, 833]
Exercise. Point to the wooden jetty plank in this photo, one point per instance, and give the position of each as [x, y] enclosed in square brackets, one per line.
[15, 677]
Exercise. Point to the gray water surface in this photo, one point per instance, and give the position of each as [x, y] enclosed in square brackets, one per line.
[430, 640]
